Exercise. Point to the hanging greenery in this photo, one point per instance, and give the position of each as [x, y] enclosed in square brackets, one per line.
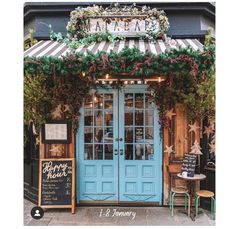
[47, 97]
[51, 81]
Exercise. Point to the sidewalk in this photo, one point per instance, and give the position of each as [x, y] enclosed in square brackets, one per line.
[121, 216]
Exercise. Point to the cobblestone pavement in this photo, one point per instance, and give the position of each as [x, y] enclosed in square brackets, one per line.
[113, 215]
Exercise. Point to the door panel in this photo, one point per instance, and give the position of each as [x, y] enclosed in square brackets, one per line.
[97, 164]
[119, 152]
[140, 163]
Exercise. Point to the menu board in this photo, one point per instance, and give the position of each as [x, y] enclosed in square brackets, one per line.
[189, 163]
[56, 183]
[56, 132]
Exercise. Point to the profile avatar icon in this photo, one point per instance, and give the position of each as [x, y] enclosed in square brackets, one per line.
[37, 213]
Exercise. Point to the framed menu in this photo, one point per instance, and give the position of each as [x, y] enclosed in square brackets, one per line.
[56, 132]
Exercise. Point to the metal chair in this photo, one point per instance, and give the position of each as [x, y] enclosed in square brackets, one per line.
[180, 190]
[205, 194]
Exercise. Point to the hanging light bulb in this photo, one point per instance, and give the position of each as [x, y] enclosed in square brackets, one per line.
[83, 74]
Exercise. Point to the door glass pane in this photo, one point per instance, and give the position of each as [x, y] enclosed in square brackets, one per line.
[88, 155]
[108, 148]
[108, 135]
[88, 135]
[98, 134]
[88, 118]
[149, 117]
[139, 151]
[98, 101]
[149, 101]
[128, 118]
[139, 134]
[108, 101]
[129, 100]
[149, 134]
[139, 100]
[128, 151]
[139, 118]
[128, 134]
[98, 118]
[98, 151]
[108, 118]
[149, 153]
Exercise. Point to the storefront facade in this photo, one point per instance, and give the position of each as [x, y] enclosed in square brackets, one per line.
[122, 155]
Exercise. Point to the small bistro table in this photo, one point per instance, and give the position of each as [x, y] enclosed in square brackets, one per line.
[190, 181]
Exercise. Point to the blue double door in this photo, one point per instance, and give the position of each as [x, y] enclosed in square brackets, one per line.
[119, 150]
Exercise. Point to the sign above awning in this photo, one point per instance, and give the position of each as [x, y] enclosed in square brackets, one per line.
[127, 26]
[56, 49]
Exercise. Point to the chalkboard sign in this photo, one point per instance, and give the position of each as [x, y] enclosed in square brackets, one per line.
[189, 163]
[56, 183]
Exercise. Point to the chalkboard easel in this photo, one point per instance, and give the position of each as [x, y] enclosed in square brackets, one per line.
[57, 183]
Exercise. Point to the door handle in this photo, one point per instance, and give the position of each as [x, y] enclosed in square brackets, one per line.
[121, 151]
[118, 139]
[115, 152]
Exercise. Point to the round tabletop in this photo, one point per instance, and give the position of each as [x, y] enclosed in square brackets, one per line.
[194, 178]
